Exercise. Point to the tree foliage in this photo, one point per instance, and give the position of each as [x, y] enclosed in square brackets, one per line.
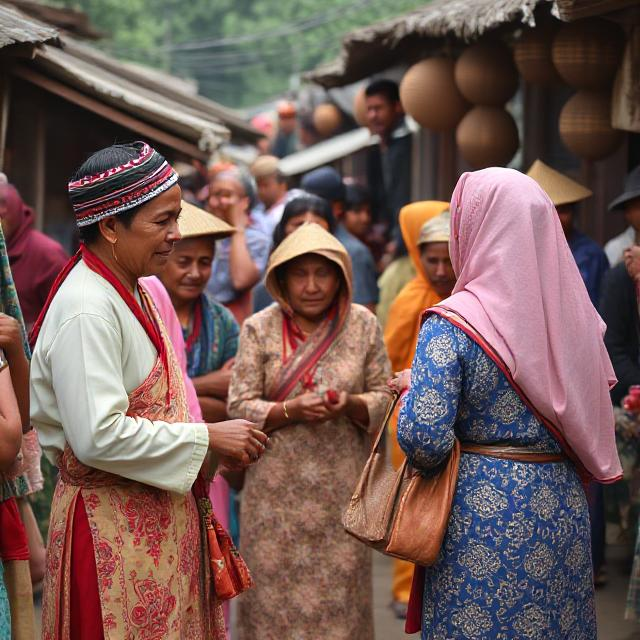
[241, 52]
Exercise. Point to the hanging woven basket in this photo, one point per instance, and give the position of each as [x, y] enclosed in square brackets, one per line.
[327, 119]
[587, 53]
[585, 125]
[429, 94]
[532, 55]
[360, 107]
[487, 137]
[486, 74]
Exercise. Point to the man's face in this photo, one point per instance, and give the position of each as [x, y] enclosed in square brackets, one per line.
[270, 190]
[632, 213]
[435, 260]
[565, 213]
[381, 114]
[357, 220]
[287, 124]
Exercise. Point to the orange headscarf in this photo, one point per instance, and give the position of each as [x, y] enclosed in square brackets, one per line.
[401, 331]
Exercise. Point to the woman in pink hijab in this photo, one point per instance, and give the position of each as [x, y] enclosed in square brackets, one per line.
[514, 366]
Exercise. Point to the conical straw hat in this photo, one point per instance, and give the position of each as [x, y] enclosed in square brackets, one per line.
[560, 189]
[307, 238]
[194, 222]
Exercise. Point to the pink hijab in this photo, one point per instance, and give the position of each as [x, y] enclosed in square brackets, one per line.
[520, 289]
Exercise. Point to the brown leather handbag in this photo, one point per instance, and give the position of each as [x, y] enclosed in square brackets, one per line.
[402, 513]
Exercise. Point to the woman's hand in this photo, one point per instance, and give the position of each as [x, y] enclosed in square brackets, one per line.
[336, 403]
[10, 335]
[632, 262]
[237, 442]
[401, 381]
[309, 407]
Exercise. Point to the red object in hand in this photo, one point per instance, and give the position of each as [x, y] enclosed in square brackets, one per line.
[333, 396]
[631, 402]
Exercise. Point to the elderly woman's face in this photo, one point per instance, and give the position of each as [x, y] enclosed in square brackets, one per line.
[188, 269]
[224, 194]
[308, 216]
[311, 283]
[143, 248]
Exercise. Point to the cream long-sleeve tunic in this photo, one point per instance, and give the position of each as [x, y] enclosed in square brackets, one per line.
[91, 354]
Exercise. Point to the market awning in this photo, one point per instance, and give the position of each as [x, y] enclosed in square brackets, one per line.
[326, 152]
[333, 149]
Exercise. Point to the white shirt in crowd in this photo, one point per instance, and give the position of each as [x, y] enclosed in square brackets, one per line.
[616, 246]
[91, 354]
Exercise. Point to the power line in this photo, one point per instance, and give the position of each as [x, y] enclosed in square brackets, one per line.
[287, 29]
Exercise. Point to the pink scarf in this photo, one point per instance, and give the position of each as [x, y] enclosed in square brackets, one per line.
[520, 289]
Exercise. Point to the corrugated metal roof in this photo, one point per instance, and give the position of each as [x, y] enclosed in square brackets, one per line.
[165, 85]
[378, 46]
[115, 89]
[333, 149]
[17, 28]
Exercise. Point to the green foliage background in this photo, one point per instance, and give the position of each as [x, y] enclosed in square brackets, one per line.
[255, 48]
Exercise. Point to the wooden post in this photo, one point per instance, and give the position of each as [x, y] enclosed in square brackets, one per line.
[5, 103]
[40, 165]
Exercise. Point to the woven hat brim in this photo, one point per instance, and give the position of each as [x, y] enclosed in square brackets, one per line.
[195, 222]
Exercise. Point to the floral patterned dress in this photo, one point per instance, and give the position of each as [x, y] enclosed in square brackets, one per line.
[312, 579]
[516, 559]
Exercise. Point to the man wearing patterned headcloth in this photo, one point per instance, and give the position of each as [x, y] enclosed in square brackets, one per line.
[134, 549]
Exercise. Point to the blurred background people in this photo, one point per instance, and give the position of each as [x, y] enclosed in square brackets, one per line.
[271, 192]
[286, 140]
[629, 203]
[35, 258]
[388, 162]
[240, 260]
[327, 183]
[425, 230]
[312, 372]
[565, 194]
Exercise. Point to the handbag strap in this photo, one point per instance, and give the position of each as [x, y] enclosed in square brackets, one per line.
[395, 396]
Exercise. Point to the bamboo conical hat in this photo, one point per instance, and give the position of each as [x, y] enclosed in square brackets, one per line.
[560, 189]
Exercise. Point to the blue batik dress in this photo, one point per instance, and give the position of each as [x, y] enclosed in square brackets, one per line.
[516, 558]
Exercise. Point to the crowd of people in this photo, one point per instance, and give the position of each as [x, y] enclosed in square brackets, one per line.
[204, 378]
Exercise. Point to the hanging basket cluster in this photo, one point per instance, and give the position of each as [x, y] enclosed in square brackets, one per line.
[486, 75]
[584, 55]
[467, 95]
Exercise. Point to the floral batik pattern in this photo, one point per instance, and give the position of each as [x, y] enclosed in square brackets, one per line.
[516, 559]
[149, 551]
[312, 579]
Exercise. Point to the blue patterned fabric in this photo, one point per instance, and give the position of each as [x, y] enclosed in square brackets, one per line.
[516, 559]
[217, 340]
[5, 612]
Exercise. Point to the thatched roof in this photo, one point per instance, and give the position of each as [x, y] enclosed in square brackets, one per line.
[575, 9]
[376, 47]
[443, 24]
[18, 29]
